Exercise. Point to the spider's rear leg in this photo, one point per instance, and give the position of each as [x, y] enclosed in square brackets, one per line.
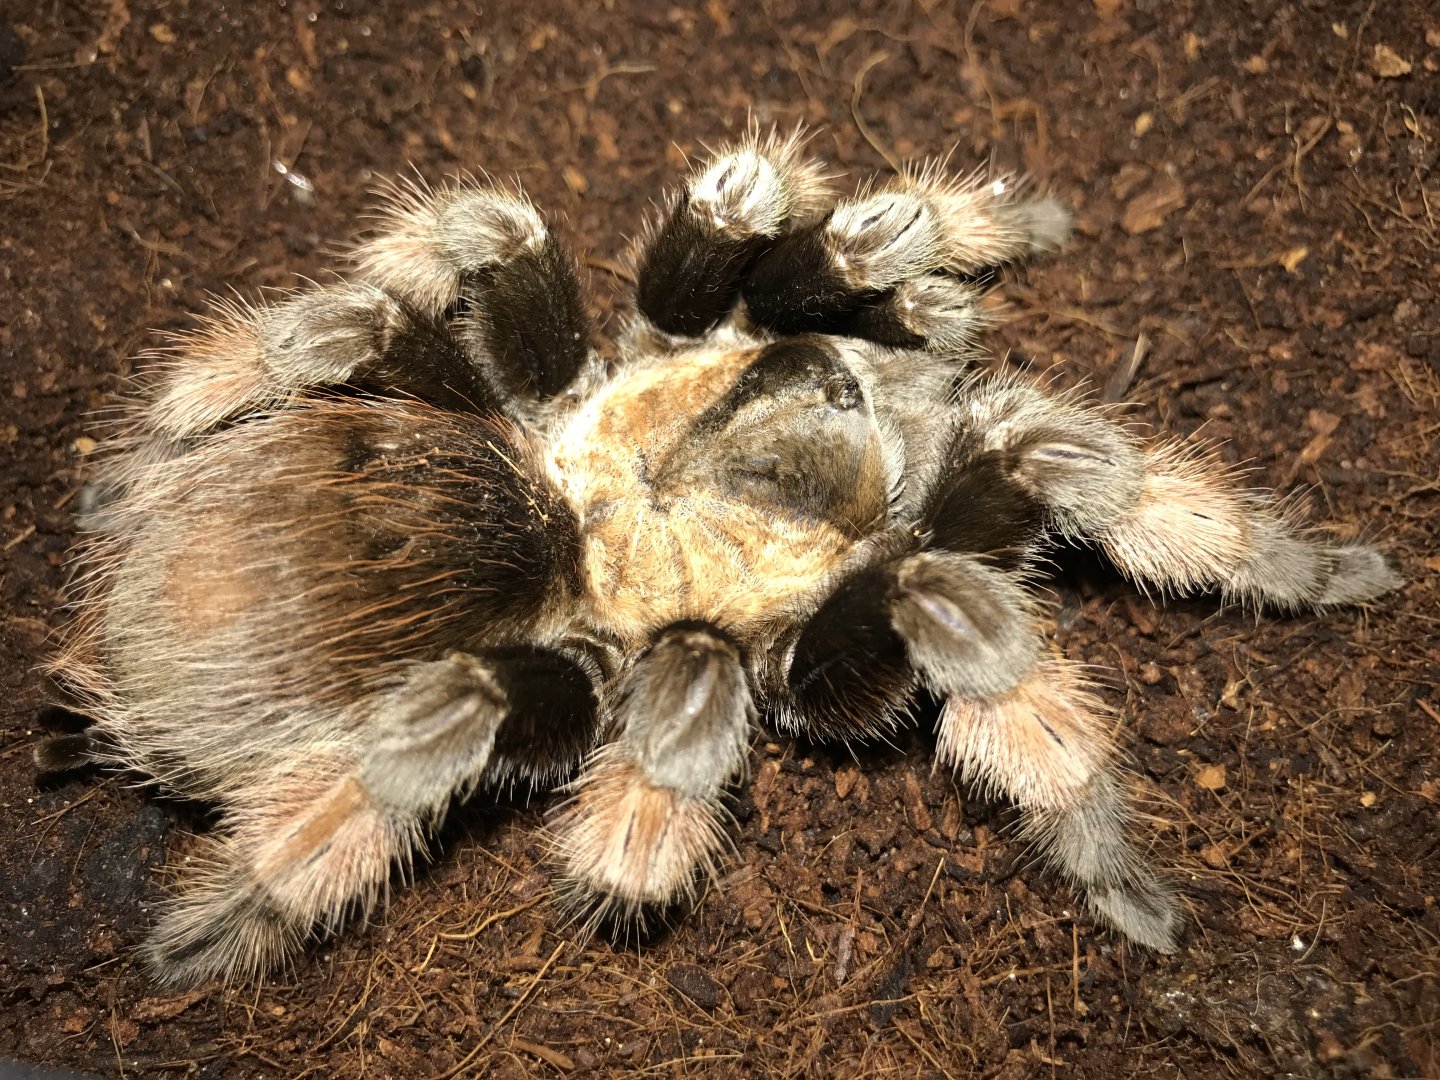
[690, 264]
[1168, 517]
[246, 359]
[645, 818]
[1013, 722]
[320, 840]
[487, 259]
[905, 266]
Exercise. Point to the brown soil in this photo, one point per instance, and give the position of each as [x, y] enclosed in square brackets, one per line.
[1257, 194]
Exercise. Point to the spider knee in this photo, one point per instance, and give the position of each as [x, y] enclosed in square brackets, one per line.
[428, 240]
[927, 223]
[757, 188]
[969, 628]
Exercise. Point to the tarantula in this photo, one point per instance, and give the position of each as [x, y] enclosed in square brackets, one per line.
[382, 543]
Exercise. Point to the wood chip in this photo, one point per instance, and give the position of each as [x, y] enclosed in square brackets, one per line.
[1293, 258]
[547, 1054]
[845, 778]
[575, 180]
[920, 817]
[1324, 425]
[1147, 211]
[1211, 777]
[1389, 64]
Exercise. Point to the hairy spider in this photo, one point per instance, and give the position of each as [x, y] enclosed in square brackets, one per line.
[381, 543]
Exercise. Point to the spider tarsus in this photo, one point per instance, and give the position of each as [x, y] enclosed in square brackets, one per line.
[1089, 843]
[221, 928]
[1360, 575]
[1145, 911]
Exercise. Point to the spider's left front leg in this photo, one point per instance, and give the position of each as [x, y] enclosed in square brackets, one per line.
[645, 819]
[487, 261]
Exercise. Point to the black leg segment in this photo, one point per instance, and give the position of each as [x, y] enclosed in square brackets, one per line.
[690, 274]
[848, 676]
[525, 317]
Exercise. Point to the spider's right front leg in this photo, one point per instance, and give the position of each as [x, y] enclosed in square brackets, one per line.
[905, 266]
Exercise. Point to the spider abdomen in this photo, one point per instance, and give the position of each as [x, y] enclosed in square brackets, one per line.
[290, 565]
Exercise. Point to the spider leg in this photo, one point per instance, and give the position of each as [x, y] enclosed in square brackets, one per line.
[965, 629]
[906, 265]
[691, 263]
[488, 259]
[247, 359]
[645, 815]
[1044, 743]
[319, 841]
[1168, 517]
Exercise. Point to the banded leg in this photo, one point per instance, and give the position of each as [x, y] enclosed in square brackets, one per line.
[905, 266]
[1168, 517]
[1011, 721]
[692, 262]
[645, 818]
[320, 840]
[247, 359]
[488, 259]
[1045, 745]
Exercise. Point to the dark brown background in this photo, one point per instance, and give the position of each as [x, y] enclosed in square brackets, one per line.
[1257, 196]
